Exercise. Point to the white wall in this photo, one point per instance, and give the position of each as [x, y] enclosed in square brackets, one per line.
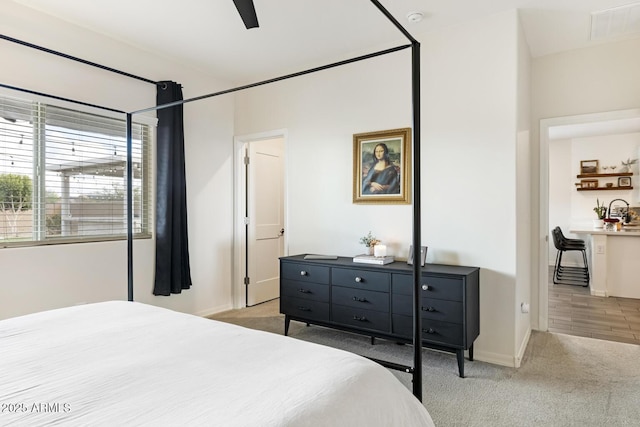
[523, 199]
[469, 123]
[591, 80]
[47, 277]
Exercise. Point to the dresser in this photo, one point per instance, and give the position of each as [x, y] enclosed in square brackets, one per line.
[376, 300]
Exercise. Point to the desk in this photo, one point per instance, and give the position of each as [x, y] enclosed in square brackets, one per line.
[615, 269]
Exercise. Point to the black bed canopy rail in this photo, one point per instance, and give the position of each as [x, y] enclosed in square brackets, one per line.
[75, 58]
[275, 79]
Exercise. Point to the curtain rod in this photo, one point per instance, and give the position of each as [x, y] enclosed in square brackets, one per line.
[74, 58]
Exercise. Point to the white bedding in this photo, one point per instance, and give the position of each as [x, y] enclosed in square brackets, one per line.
[123, 363]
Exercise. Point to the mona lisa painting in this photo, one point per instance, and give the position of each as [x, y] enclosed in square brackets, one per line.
[381, 166]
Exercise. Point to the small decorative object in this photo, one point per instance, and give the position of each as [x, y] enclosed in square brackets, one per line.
[589, 183]
[371, 259]
[609, 184]
[380, 250]
[626, 166]
[369, 241]
[611, 224]
[588, 167]
[423, 255]
[624, 181]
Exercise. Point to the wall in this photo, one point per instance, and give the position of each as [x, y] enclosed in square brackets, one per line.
[598, 79]
[469, 122]
[523, 199]
[46, 277]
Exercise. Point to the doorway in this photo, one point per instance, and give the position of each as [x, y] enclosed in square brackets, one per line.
[605, 123]
[260, 237]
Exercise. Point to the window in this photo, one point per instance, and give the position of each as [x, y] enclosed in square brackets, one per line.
[63, 175]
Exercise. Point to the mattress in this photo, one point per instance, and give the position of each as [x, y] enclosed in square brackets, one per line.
[126, 363]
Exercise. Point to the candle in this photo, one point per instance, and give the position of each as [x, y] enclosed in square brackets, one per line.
[380, 250]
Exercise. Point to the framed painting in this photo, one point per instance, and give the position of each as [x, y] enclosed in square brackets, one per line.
[382, 166]
[588, 167]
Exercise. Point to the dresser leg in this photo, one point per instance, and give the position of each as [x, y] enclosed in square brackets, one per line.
[460, 356]
[287, 321]
[373, 340]
[471, 353]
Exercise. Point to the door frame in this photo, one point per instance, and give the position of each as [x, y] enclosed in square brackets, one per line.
[543, 222]
[238, 288]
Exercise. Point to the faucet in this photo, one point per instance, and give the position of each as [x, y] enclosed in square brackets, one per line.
[626, 215]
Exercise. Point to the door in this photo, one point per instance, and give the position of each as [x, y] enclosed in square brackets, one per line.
[265, 219]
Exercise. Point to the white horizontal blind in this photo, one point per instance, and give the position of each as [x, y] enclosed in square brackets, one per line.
[64, 175]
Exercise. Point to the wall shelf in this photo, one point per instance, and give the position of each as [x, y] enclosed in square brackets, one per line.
[605, 188]
[604, 175]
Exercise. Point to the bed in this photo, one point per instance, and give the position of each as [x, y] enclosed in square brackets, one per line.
[128, 363]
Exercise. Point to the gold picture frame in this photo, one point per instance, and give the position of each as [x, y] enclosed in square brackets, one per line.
[382, 177]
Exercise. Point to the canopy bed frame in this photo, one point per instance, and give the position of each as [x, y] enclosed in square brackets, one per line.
[416, 369]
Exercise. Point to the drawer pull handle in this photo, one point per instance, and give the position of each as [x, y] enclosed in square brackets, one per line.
[425, 287]
[303, 273]
[430, 309]
[359, 279]
[429, 331]
[304, 291]
[360, 319]
[360, 299]
[303, 308]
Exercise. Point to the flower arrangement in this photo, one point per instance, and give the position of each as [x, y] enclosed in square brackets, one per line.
[600, 210]
[369, 240]
[628, 164]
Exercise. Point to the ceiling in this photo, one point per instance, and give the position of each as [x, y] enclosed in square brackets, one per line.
[298, 34]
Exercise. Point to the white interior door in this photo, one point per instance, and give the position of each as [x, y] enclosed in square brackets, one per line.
[265, 228]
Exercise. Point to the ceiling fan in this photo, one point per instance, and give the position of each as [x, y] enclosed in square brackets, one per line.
[247, 12]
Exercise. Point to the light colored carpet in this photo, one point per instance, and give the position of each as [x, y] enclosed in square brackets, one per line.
[563, 381]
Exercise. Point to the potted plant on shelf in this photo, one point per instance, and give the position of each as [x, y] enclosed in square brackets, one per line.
[369, 241]
[601, 211]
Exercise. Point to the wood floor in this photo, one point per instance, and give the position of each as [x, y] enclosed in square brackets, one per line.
[573, 311]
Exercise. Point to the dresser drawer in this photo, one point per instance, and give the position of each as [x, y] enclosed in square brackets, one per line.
[360, 318]
[360, 279]
[435, 309]
[433, 331]
[311, 291]
[305, 272]
[438, 286]
[359, 298]
[306, 309]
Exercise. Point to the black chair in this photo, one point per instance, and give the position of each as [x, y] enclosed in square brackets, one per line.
[565, 275]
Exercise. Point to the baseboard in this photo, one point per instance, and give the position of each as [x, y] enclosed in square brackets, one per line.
[597, 293]
[214, 310]
[494, 358]
[523, 347]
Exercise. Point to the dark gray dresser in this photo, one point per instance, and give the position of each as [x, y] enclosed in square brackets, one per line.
[376, 300]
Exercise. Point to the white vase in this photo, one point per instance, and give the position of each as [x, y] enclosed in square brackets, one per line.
[370, 250]
[598, 223]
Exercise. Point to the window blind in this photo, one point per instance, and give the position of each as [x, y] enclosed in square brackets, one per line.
[63, 175]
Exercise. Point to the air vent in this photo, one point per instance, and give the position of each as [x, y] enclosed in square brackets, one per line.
[615, 22]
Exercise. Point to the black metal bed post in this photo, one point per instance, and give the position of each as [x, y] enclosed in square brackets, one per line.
[417, 229]
[129, 209]
[415, 96]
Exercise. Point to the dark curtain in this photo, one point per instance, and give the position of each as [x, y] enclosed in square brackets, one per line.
[173, 273]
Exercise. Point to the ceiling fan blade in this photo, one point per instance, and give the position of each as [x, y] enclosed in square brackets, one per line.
[247, 12]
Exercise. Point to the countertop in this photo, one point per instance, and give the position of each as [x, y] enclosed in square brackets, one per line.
[633, 231]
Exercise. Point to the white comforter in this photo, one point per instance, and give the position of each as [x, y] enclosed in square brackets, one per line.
[122, 363]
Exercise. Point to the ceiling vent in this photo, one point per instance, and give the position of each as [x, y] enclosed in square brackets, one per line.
[615, 22]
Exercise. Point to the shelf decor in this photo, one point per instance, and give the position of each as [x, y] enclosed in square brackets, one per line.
[624, 181]
[588, 167]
